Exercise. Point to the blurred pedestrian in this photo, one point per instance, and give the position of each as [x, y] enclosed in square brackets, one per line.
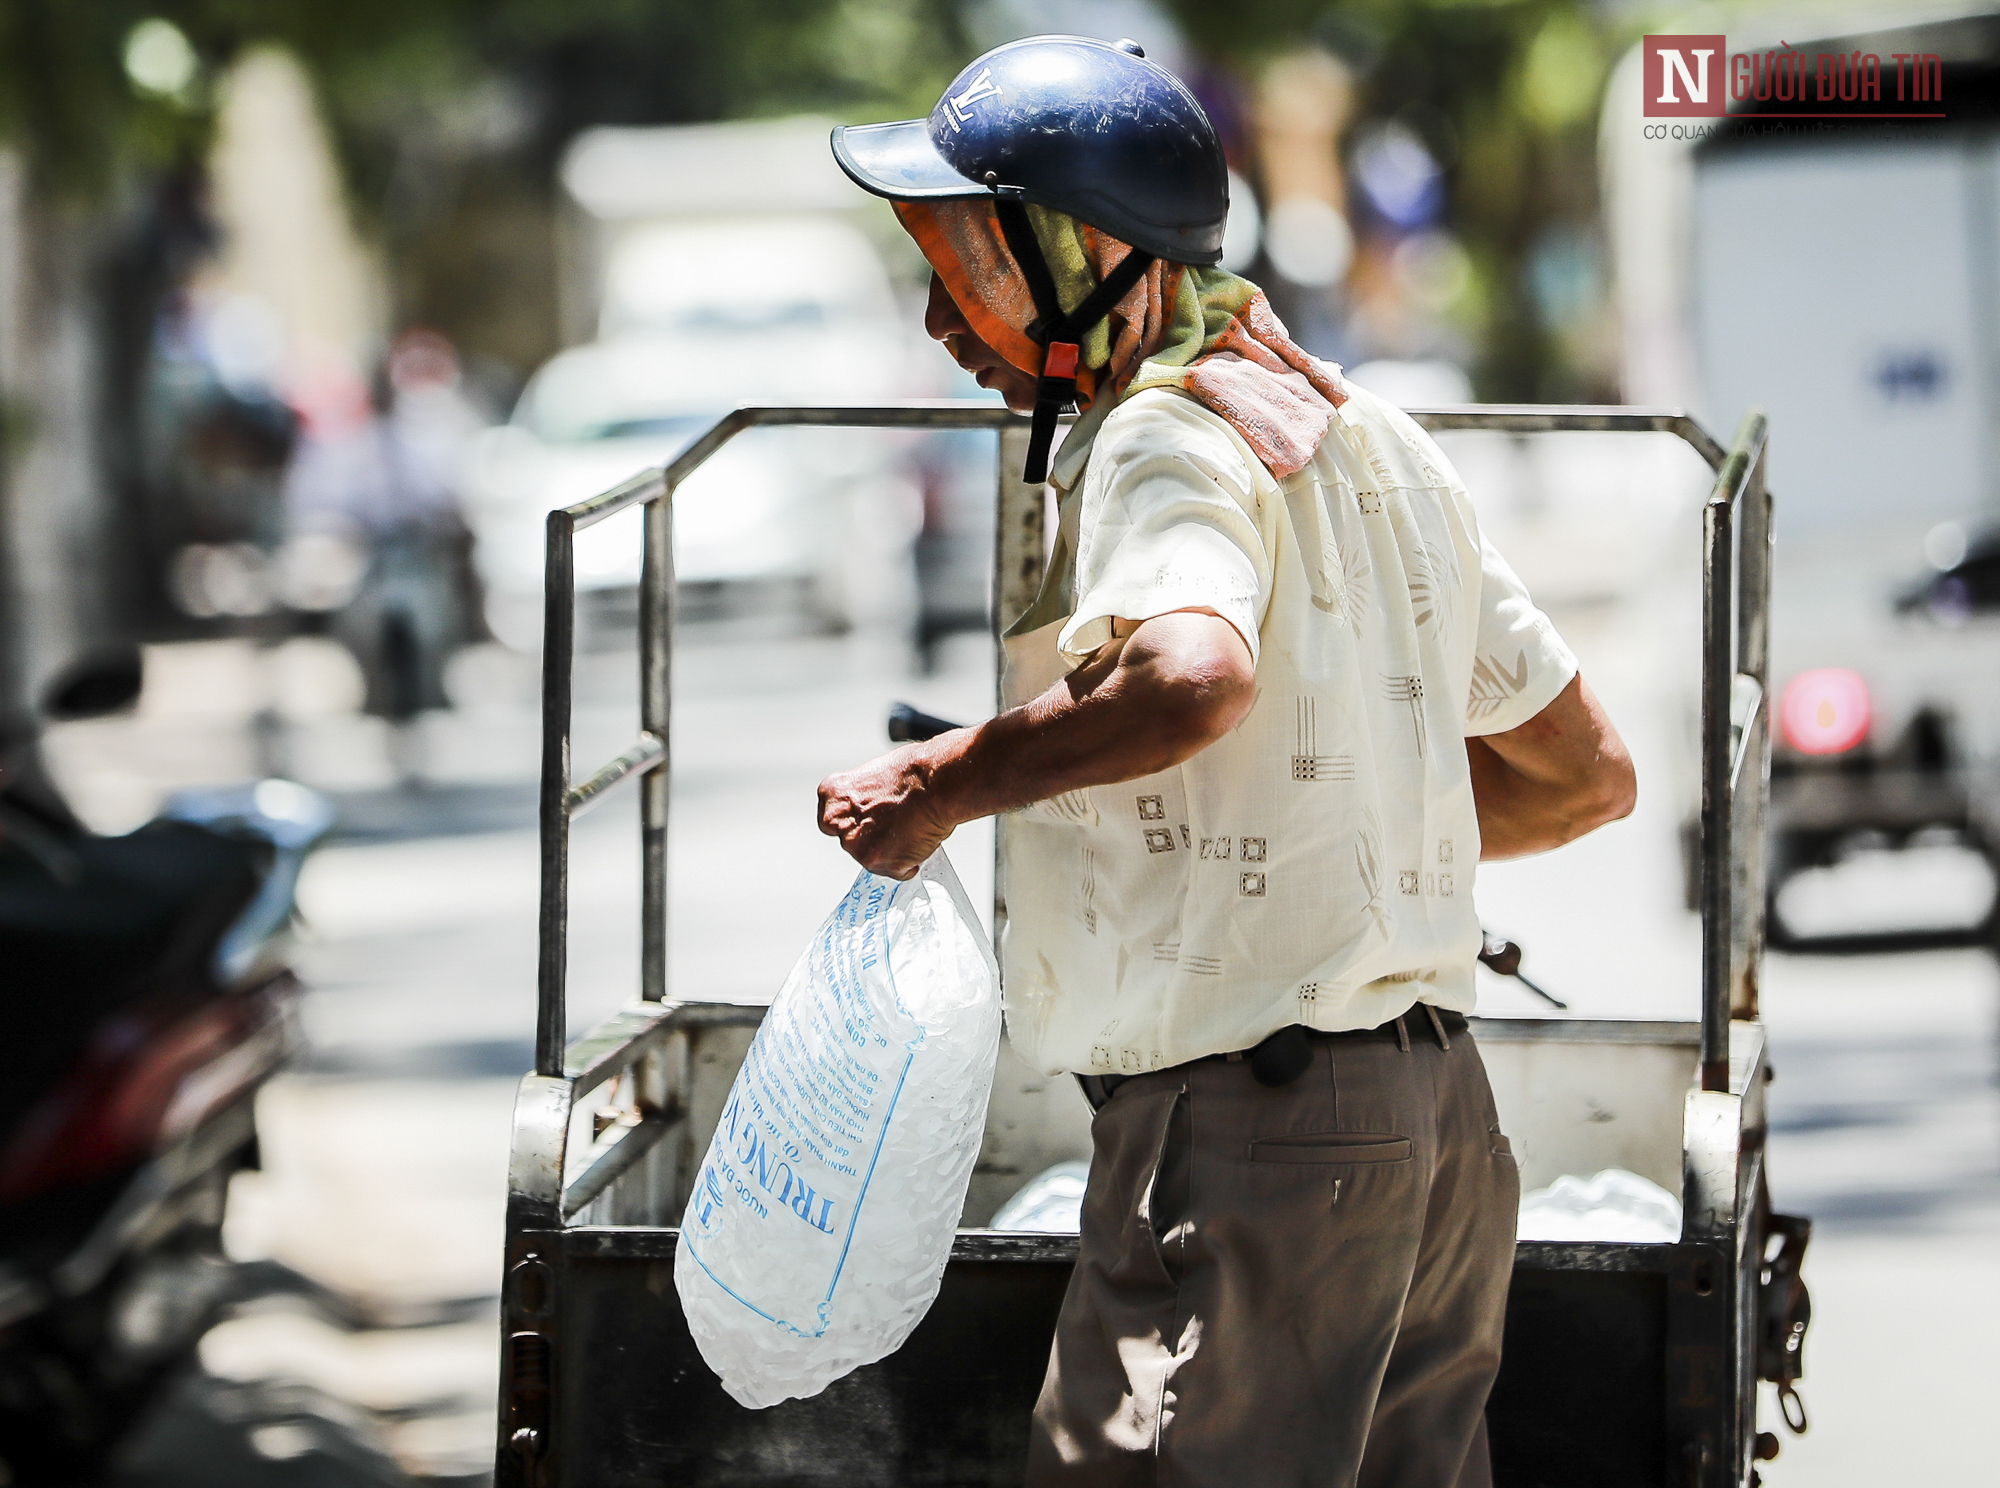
[376, 534]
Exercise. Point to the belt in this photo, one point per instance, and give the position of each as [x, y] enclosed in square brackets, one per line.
[1287, 1054]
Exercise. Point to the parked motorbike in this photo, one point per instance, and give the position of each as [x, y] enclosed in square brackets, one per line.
[148, 995]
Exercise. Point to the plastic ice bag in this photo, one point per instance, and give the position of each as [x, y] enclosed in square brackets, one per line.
[1050, 1203]
[823, 1212]
[1610, 1205]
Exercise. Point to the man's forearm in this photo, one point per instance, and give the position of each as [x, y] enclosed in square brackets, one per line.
[1128, 712]
[1144, 703]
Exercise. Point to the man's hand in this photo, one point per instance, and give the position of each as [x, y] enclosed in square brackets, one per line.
[883, 813]
[1561, 774]
[1160, 693]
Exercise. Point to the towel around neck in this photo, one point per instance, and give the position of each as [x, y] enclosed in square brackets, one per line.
[1205, 331]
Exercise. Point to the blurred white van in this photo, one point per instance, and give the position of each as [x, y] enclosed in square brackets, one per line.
[700, 312]
[1844, 280]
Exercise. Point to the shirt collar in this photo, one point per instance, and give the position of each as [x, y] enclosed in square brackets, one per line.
[1056, 598]
[1075, 451]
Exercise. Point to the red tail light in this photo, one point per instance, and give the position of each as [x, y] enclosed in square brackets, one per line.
[144, 1083]
[1825, 711]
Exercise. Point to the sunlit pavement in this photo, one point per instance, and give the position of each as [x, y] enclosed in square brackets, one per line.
[386, 1151]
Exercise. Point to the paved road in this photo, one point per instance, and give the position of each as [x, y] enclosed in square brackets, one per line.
[386, 1151]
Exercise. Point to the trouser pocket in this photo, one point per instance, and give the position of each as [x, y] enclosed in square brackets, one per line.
[1128, 1210]
[1348, 1148]
[1171, 1194]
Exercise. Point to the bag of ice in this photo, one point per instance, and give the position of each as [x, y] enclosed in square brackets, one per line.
[823, 1212]
[1050, 1203]
[1610, 1205]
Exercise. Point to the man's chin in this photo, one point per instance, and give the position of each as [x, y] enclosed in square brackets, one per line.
[1017, 399]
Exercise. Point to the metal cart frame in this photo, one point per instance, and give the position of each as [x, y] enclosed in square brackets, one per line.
[1626, 1363]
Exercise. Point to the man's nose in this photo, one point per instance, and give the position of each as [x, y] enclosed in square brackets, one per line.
[941, 315]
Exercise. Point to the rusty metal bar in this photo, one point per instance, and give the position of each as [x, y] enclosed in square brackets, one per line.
[1719, 650]
[1020, 554]
[1751, 777]
[1610, 418]
[614, 1158]
[1020, 534]
[657, 621]
[647, 485]
[941, 413]
[558, 660]
[643, 755]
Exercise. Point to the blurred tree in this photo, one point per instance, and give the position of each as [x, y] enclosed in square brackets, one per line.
[1504, 94]
[81, 93]
[449, 115]
[447, 109]
[451, 144]
[83, 265]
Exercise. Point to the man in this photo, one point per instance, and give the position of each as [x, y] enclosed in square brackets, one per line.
[1277, 698]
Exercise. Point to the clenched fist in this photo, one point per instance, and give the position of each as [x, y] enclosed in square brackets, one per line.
[886, 813]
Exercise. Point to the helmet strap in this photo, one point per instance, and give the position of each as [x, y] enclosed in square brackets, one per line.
[1019, 232]
[1060, 336]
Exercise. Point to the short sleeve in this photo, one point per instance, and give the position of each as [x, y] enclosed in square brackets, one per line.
[1519, 663]
[1168, 521]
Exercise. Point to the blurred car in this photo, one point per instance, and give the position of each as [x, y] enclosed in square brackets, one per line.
[700, 318]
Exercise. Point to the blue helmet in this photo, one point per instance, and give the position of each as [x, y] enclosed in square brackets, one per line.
[1086, 127]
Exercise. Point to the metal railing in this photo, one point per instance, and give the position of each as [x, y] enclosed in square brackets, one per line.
[650, 755]
[1736, 588]
[1735, 740]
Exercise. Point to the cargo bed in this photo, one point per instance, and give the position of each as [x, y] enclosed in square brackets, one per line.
[1627, 1364]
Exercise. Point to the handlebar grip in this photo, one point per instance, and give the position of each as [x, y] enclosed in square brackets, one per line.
[1502, 955]
[907, 725]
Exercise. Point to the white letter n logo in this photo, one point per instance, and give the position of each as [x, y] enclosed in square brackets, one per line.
[1695, 82]
[1667, 55]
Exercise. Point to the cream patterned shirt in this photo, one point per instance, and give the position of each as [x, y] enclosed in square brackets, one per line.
[1315, 865]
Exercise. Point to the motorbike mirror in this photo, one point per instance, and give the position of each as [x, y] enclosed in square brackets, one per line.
[100, 682]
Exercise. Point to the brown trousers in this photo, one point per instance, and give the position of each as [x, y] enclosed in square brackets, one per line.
[1287, 1287]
